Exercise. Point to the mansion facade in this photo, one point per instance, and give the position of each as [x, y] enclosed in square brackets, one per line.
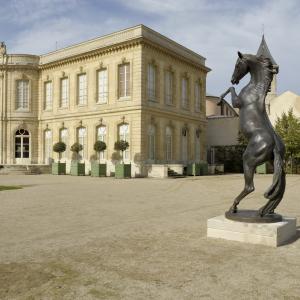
[135, 84]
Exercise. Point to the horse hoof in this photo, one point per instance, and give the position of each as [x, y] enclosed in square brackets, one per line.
[233, 209]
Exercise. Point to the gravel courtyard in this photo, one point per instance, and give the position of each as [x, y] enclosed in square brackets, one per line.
[64, 237]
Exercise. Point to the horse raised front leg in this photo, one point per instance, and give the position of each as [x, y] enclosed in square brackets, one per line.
[234, 97]
[249, 169]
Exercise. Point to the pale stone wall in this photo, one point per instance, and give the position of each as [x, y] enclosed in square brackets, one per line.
[222, 131]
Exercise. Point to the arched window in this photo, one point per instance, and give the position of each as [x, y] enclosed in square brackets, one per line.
[197, 145]
[124, 135]
[169, 143]
[151, 142]
[81, 138]
[22, 144]
[48, 146]
[64, 137]
[184, 144]
[101, 136]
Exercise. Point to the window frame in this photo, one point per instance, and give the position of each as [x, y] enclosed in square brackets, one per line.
[22, 108]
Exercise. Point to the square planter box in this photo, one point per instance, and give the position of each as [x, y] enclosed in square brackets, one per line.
[77, 168]
[123, 171]
[59, 168]
[193, 169]
[98, 170]
[265, 168]
[203, 168]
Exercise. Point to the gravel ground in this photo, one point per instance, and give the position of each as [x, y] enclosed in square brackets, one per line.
[64, 237]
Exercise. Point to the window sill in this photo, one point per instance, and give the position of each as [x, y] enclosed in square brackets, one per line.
[47, 110]
[101, 103]
[22, 110]
[127, 98]
[153, 100]
[63, 108]
[82, 105]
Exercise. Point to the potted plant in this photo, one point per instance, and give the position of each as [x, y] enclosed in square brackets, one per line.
[98, 169]
[77, 168]
[122, 170]
[59, 168]
[197, 168]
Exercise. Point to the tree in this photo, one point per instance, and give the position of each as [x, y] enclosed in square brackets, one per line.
[121, 146]
[76, 148]
[288, 128]
[99, 146]
[242, 140]
[59, 147]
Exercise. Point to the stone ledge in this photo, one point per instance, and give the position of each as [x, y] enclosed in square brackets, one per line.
[269, 234]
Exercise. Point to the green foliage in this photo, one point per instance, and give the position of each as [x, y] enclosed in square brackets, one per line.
[59, 147]
[99, 146]
[76, 147]
[231, 157]
[288, 128]
[121, 145]
[242, 140]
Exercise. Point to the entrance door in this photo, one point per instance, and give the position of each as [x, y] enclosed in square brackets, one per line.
[22, 147]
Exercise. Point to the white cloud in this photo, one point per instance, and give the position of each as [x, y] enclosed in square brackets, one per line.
[215, 29]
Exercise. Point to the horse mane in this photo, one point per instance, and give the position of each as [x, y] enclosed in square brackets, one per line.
[269, 71]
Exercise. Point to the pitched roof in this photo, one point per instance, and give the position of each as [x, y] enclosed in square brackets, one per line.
[263, 50]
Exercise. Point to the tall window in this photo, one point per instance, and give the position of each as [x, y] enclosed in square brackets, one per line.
[168, 87]
[64, 92]
[48, 95]
[22, 144]
[184, 92]
[151, 78]
[169, 141]
[197, 145]
[101, 136]
[124, 80]
[151, 142]
[81, 137]
[184, 144]
[197, 97]
[124, 135]
[47, 146]
[102, 86]
[64, 137]
[22, 101]
[82, 89]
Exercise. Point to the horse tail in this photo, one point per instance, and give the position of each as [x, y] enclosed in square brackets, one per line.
[276, 190]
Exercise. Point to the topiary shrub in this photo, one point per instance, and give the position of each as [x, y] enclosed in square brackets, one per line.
[59, 148]
[76, 148]
[99, 146]
[122, 146]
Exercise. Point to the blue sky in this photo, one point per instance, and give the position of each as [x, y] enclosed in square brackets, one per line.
[215, 29]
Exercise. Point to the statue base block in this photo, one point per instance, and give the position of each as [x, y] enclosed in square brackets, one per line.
[269, 234]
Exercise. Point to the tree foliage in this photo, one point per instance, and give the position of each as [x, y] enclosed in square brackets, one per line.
[242, 140]
[288, 128]
[76, 147]
[122, 146]
[99, 146]
[59, 147]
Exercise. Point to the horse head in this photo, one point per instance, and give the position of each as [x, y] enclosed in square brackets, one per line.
[240, 70]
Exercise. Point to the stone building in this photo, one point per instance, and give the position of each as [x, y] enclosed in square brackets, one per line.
[135, 84]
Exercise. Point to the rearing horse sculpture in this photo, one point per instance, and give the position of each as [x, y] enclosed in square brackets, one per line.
[263, 142]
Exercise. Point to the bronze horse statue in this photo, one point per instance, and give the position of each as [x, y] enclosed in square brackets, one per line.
[263, 142]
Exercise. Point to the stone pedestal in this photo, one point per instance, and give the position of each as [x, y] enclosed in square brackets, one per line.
[269, 234]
